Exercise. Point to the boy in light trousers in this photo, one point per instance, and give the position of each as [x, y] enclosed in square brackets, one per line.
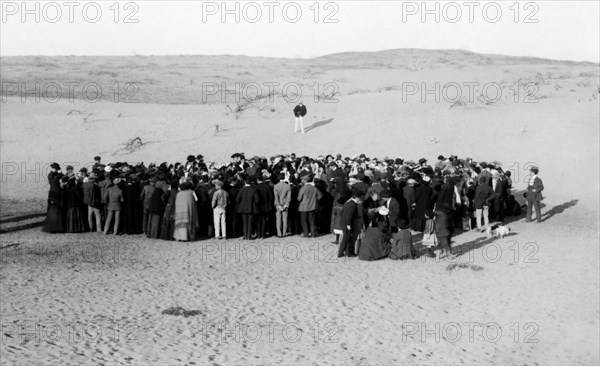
[219, 205]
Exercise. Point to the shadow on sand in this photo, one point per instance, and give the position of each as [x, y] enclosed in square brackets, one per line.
[484, 240]
[318, 124]
[557, 210]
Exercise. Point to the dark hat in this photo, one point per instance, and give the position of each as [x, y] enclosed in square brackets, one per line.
[483, 164]
[97, 158]
[441, 157]
[191, 158]
[55, 166]
[199, 157]
[236, 155]
[422, 160]
[402, 224]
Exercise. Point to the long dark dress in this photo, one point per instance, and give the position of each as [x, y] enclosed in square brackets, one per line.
[168, 220]
[375, 245]
[156, 211]
[423, 202]
[55, 220]
[234, 229]
[75, 222]
[205, 216]
[131, 211]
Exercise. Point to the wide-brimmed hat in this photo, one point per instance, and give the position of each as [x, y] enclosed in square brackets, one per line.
[55, 166]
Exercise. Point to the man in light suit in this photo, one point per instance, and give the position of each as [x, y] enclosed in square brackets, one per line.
[283, 198]
[534, 195]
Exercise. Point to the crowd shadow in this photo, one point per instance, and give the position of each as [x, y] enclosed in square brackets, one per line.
[479, 242]
[318, 124]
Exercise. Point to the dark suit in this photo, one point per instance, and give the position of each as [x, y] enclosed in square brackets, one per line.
[267, 207]
[500, 199]
[300, 110]
[247, 204]
[534, 196]
[351, 216]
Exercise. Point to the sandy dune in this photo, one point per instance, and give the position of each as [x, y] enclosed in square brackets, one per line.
[544, 286]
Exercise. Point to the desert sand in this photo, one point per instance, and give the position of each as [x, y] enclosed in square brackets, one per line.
[536, 291]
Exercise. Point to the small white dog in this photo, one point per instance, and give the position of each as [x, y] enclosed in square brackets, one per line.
[497, 231]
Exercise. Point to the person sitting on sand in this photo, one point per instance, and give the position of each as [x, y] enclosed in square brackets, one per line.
[402, 246]
[376, 242]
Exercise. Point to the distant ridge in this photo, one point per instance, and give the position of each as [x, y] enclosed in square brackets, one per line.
[398, 52]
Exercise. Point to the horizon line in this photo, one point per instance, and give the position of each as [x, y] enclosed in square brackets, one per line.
[316, 57]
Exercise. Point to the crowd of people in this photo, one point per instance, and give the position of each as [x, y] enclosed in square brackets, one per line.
[371, 205]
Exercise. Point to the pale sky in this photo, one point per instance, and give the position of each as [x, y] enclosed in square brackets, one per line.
[565, 30]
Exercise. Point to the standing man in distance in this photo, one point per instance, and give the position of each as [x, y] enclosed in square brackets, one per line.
[534, 195]
[299, 113]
